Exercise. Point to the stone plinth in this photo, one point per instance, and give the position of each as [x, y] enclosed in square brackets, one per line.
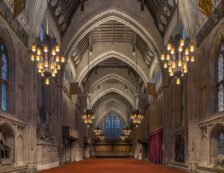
[78, 154]
[47, 155]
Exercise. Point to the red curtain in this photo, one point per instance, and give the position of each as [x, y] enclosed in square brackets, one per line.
[155, 146]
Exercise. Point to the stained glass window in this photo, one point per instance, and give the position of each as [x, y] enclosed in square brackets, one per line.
[107, 128]
[4, 76]
[112, 126]
[4, 67]
[4, 97]
[42, 33]
[220, 79]
[108, 122]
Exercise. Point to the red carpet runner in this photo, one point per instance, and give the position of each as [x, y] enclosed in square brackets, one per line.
[112, 166]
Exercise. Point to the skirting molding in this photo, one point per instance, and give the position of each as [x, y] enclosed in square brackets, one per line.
[47, 165]
[209, 170]
[14, 169]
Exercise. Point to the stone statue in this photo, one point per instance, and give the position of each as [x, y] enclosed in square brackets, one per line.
[4, 151]
[1, 136]
[179, 149]
[50, 127]
[46, 130]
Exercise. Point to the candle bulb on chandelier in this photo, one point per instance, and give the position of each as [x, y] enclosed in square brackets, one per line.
[162, 57]
[47, 81]
[62, 59]
[32, 58]
[33, 48]
[192, 58]
[168, 57]
[178, 81]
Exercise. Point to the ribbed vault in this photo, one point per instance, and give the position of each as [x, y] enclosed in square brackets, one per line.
[112, 55]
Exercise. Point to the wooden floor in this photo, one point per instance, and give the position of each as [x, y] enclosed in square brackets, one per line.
[112, 166]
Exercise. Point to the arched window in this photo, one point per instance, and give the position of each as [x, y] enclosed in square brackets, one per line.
[112, 126]
[4, 76]
[220, 78]
[42, 33]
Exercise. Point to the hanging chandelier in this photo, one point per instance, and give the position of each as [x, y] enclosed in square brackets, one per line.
[47, 55]
[136, 117]
[123, 137]
[101, 136]
[178, 52]
[97, 131]
[88, 117]
[127, 131]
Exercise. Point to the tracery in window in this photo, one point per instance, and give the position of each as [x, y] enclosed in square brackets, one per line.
[42, 33]
[112, 125]
[220, 79]
[4, 76]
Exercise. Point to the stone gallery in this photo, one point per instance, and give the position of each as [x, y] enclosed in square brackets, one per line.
[111, 86]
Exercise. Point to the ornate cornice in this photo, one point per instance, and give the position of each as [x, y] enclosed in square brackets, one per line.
[207, 124]
[218, 117]
[12, 120]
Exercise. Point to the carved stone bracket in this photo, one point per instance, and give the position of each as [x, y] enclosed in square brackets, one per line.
[209, 123]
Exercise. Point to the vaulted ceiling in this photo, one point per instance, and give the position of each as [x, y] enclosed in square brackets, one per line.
[64, 10]
[113, 65]
[110, 54]
[112, 31]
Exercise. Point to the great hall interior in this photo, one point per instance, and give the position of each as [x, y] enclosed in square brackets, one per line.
[112, 86]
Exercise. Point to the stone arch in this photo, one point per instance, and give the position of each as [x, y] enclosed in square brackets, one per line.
[110, 90]
[213, 141]
[9, 126]
[114, 104]
[108, 55]
[112, 109]
[121, 17]
[7, 143]
[112, 76]
[111, 100]
[146, 33]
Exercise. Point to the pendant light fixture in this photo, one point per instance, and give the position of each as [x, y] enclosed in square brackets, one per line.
[127, 131]
[97, 131]
[101, 137]
[123, 137]
[47, 55]
[178, 52]
[136, 115]
[88, 115]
